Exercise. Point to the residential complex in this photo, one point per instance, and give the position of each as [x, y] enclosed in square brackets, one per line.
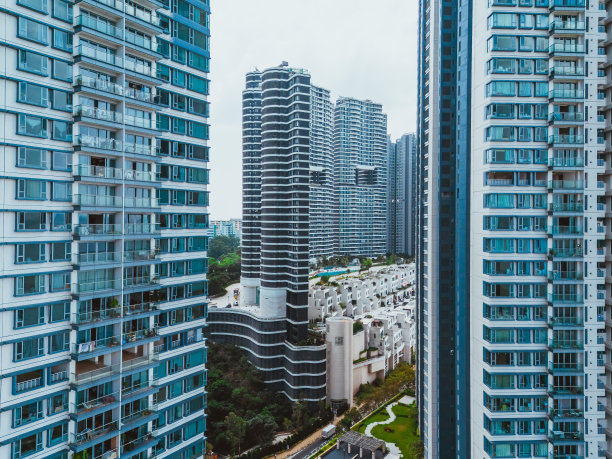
[104, 228]
[271, 324]
[360, 174]
[231, 227]
[401, 195]
[512, 268]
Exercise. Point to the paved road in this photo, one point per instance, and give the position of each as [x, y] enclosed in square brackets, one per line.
[309, 450]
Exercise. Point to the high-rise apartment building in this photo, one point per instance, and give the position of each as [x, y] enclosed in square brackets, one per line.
[527, 100]
[322, 201]
[360, 174]
[401, 195]
[231, 227]
[271, 324]
[103, 287]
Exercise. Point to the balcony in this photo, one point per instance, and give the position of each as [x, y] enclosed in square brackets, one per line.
[139, 122]
[133, 361]
[140, 308]
[566, 252]
[565, 436]
[130, 10]
[564, 275]
[565, 367]
[571, 161]
[566, 48]
[97, 113]
[566, 344]
[28, 385]
[565, 321]
[87, 372]
[568, 5]
[96, 200]
[141, 149]
[566, 94]
[566, 230]
[139, 335]
[560, 25]
[138, 67]
[99, 26]
[81, 349]
[140, 281]
[96, 257]
[565, 298]
[99, 84]
[95, 316]
[570, 117]
[84, 407]
[566, 207]
[566, 139]
[143, 96]
[92, 230]
[102, 143]
[98, 55]
[97, 286]
[91, 434]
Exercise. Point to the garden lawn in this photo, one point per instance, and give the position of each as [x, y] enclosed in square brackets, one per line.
[379, 416]
[404, 431]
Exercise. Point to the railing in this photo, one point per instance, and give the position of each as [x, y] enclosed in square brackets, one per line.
[138, 40]
[566, 116]
[92, 375]
[567, 3]
[138, 414]
[565, 297]
[97, 200]
[94, 316]
[59, 376]
[139, 255]
[141, 149]
[564, 275]
[557, 229]
[29, 384]
[565, 321]
[144, 96]
[133, 444]
[567, 413]
[102, 400]
[97, 257]
[138, 67]
[140, 202]
[90, 230]
[138, 122]
[112, 173]
[573, 344]
[139, 280]
[98, 55]
[96, 24]
[566, 71]
[99, 285]
[559, 435]
[138, 362]
[566, 162]
[566, 367]
[82, 437]
[131, 309]
[102, 143]
[566, 138]
[566, 207]
[97, 113]
[499, 182]
[130, 337]
[567, 94]
[567, 25]
[567, 48]
[141, 228]
[96, 83]
[90, 346]
[568, 253]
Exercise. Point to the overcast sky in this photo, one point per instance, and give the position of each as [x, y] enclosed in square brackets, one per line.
[358, 48]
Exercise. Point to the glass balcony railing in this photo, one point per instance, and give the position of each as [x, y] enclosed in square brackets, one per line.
[566, 94]
[95, 316]
[566, 116]
[569, 48]
[566, 207]
[90, 375]
[565, 298]
[104, 27]
[92, 433]
[139, 281]
[84, 170]
[141, 149]
[97, 113]
[91, 346]
[567, 139]
[103, 229]
[130, 337]
[567, 253]
[569, 230]
[141, 228]
[95, 402]
[139, 308]
[100, 200]
[138, 122]
[567, 3]
[574, 321]
[139, 67]
[139, 255]
[144, 96]
[566, 367]
[97, 257]
[566, 162]
[567, 25]
[100, 84]
[140, 202]
[141, 41]
[564, 275]
[97, 286]
[565, 344]
[555, 435]
[98, 55]
[131, 11]
[98, 142]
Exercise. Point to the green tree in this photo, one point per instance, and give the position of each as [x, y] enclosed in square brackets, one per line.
[236, 428]
[366, 264]
[223, 245]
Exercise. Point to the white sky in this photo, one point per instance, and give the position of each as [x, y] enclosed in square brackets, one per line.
[359, 48]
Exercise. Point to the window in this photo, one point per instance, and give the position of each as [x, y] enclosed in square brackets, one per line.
[31, 62]
[35, 158]
[62, 70]
[61, 191]
[28, 445]
[198, 130]
[27, 413]
[62, 100]
[31, 189]
[199, 107]
[198, 84]
[61, 161]
[33, 126]
[59, 342]
[62, 10]
[38, 5]
[62, 130]
[61, 221]
[58, 403]
[178, 126]
[179, 54]
[29, 317]
[60, 251]
[32, 30]
[58, 434]
[29, 349]
[59, 312]
[60, 281]
[29, 253]
[198, 62]
[179, 78]
[31, 221]
[525, 89]
[32, 94]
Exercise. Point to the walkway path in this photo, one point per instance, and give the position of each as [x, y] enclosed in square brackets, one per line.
[392, 448]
